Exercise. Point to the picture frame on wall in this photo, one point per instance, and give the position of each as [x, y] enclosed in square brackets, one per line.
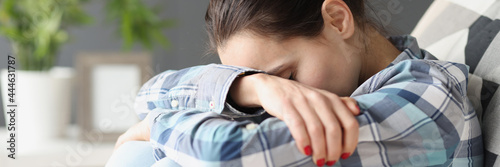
[107, 84]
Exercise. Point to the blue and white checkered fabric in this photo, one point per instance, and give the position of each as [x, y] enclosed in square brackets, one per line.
[414, 113]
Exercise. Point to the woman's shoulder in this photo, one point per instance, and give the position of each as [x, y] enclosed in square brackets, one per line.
[444, 70]
[430, 71]
[433, 81]
[423, 73]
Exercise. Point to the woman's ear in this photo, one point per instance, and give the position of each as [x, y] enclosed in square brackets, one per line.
[338, 16]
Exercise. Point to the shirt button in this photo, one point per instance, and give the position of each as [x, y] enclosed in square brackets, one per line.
[212, 105]
[174, 103]
[251, 126]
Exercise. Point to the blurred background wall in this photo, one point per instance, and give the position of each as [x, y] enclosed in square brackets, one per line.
[188, 36]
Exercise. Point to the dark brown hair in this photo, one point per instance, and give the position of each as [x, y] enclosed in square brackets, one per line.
[281, 19]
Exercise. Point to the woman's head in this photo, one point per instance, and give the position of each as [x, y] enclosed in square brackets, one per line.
[280, 19]
[317, 41]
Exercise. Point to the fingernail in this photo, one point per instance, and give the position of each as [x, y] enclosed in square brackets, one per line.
[320, 162]
[330, 163]
[345, 156]
[358, 108]
[308, 150]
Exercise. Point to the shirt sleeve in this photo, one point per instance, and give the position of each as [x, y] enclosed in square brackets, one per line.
[418, 117]
[417, 114]
[196, 138]
[204, 88]
[193, 124]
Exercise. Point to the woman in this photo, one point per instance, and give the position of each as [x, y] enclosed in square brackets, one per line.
[338, 91]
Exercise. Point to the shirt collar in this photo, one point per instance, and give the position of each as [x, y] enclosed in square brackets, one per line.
[409, 48]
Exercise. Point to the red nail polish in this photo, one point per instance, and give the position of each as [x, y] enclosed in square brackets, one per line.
[345, 156]
[308, 150]
[330, 163]
[320, 162]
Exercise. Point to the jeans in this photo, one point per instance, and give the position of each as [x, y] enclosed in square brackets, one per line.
[136, 154]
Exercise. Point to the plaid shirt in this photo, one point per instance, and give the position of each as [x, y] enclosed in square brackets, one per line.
[414, 113]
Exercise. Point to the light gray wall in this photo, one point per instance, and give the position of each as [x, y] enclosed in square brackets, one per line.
[188, 37]
[399, 16]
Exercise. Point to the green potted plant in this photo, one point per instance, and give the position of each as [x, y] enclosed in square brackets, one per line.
[138, 23]
[36, 31]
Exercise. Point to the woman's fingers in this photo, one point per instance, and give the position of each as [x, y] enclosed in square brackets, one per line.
[322, 124]
[351, 104]
[296, 126]
[315, 129]
[349, 125]
[333, 130]
[119, 142]
[138, 132]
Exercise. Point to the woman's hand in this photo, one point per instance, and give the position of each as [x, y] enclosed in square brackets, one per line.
[138, 132]
[321, 123]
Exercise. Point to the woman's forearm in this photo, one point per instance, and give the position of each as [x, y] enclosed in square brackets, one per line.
[243, 91]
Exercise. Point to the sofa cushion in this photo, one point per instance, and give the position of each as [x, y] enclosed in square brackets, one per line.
[481, 93]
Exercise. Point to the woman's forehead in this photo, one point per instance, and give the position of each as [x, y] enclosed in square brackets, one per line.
[251, 51]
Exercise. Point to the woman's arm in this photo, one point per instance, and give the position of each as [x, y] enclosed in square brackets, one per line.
[195, 138]
[316, 118]
[396, 128]
[203, 87]
[412, 117]
[190, 88]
